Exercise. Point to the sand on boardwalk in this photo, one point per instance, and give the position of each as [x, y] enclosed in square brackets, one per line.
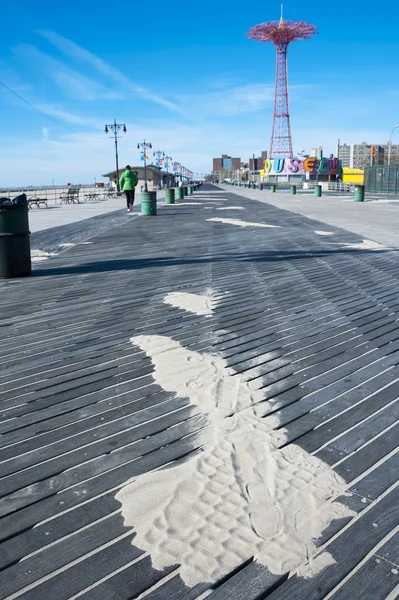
[364, 245]
[194, 303]
[242, 495]
[240, 223]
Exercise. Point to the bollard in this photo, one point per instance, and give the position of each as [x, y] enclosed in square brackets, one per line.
[359, 193]
[317, 191]
[273, 188]
[15, 258]
[170, 196]
[148, 202]
[293, 190]
[179, 195]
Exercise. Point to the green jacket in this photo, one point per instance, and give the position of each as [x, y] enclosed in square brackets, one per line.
[128, 180]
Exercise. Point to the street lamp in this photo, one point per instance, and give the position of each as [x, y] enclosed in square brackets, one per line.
[159, 154]
[115, 127]
[390, 145]
[176, 167]
[167, 159]
[145, 146]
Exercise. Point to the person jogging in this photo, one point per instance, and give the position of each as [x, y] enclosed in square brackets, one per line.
[128, 182]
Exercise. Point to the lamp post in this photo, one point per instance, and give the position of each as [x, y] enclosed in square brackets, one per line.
[390, 145]
[176, 167]
[167, 159]
[115, 128]
[145, 146]
[159, 154]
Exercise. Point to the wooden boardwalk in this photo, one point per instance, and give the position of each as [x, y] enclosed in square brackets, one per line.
[310, 322]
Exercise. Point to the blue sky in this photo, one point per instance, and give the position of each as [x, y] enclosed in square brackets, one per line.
[185, 76]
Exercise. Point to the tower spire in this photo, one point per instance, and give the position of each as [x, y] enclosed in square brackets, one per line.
[281, 18]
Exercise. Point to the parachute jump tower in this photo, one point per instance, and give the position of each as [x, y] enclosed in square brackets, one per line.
[281, 34]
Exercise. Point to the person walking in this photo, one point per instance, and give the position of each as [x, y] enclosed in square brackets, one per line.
[128, 182]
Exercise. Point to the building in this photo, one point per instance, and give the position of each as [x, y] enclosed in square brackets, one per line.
[155, 177]
[344, 155]
[226, 163]
[317, 152]
[359, 156]
[256, 164]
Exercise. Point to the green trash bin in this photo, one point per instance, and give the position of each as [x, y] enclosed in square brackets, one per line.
[359, 193]
[179, 194]
[293, 190]
[273, 188]
[185, 191]
[148, 203]
[15, 258]
[317, 190]
[169, 196]
[190, 190]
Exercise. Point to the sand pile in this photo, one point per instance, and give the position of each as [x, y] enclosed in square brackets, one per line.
[242, 496]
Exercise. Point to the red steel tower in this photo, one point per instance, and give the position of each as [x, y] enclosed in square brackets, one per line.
[281, 34]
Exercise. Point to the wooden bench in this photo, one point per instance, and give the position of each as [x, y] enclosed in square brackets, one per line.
[70, 196]
[92, 196]
[37, 202]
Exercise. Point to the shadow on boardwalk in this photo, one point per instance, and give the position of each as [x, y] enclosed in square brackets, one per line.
[124, 264]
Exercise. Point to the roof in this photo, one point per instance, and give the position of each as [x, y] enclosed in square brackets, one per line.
[136, 168]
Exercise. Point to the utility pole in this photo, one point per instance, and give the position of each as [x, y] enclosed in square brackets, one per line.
[115, 127]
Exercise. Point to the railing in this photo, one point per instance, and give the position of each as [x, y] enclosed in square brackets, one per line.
[54, 194]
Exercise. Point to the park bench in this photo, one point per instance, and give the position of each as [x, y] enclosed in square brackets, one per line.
[70, 196]
[92, 196]
[34, 201]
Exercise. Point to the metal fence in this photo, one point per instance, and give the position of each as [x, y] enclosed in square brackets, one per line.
[382, 179]
[54, 194]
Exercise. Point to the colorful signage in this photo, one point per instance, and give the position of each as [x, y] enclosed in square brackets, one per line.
[298, 166]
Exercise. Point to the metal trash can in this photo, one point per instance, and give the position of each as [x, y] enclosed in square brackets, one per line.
[170, 196]
[317, 190]
[359, 193]
[273, 187]
[190, 190]
[293, 190]
[148, 203]
[185, 191]
[179, 195]
[15, 260]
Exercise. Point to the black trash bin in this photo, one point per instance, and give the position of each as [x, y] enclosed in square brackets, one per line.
[15, 258]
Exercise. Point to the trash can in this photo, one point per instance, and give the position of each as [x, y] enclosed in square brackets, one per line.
[170, 196]
[190, 190]
[293, 190]
[148, 203]
[15, 258]
[179, 195]
[273, 187]
[359, 193]
[317, 190]
[185, 191]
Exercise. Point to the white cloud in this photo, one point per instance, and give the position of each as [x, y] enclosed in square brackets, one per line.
[82, 55]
